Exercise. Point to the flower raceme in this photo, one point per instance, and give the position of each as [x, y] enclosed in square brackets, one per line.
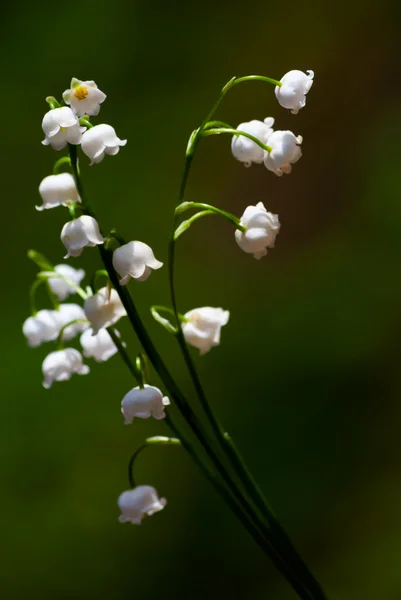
[202, 327]
[99, 141]
[294, 87]
[58, 190]
[261, 230]
[134, 260]
[99, 346]
[61, 127]
[84, 97]
[61, 365]
[104, 309]
[46, 325]
[59, 286]
[79, 233]
[285, 152]
[136, 503]
[244, 149]
[144, 403]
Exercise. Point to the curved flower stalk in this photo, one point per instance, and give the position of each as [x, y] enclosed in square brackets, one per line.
[210, 446]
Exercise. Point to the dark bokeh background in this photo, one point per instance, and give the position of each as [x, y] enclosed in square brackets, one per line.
[307, 377]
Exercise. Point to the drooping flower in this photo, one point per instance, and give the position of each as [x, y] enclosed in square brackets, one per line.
[202, 327]
[295, 85]
[144, 403]
[99, 346]
[285, 152]
[138, 502]
[104, 309]
[84, 97]
[59, 286]
[61, 365]
[68, 313]
[79, 233]
[58, 190]
[261, 230]
[244, 149]
[61, 127]
[43, 327]
[135, 260]
[101, 140]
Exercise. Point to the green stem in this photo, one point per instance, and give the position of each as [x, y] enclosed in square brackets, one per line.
[207, 209]
[95, 277]
[153, 441]
[237, 80]
[45, 275]
[64, 160]
[60, 341]
[124, 354]
[238, 133]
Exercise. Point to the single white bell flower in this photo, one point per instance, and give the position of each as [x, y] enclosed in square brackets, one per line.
[43, 327]
[61, 127]
[135, 260]
[144, 403]
[61, 365]
[244, 149]
[104, 309]
[68, 313]
[285, 152]
[79, 233]
[202, 327]
[58, 190]
[99, 346]
[261, 230]
[84, 97]
[294, 87]
[59, 286]
[138, 502]
[100, 140]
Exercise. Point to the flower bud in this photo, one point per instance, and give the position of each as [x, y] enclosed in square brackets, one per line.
[261, 230]
[135, 260]
[99, 346]
[43, 327]
[100, 140]
[58, 190]
[285, 152]
[142, 500]
[144, 403]
[202, 327]
[295, 85]
[244, 149]
[60, 365]
[104, 309]
[60, 287]
[84, 97]
[61, 127]
[79, 233]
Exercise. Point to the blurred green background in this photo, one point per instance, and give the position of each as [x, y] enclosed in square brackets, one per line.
[307, 378]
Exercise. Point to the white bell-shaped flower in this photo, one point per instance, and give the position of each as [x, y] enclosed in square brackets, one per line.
[61, 127]
[202, 327]
[79, 233]
[144, 403]
[99, 346]
[261, 230]
[100, 140]
[59, 286]
[294, 87]
[244, 149]
[285, 152]
[68, 313]
[58, 190]
[84, 97]
[104, 309]
[43, 327]
[61, 365]
[136, 503]
[135, 260]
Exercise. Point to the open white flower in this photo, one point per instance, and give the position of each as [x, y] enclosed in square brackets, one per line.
[99, 346]
[68, 313]
[285, 152]
[135, 260]
[202, 327]
[99, 141]
[84, 97]
[61, 365]
[79, 233]
[144, 403]
[43, 327]
[138, 502]
[295, 85]
[58, 190]
[261, 230]
[104, 309]
[244, 149]
[59, 286]
[61, 127]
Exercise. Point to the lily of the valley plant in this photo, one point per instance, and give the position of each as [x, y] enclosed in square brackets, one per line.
[126, 265]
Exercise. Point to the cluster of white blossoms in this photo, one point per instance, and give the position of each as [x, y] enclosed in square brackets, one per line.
[256, 231]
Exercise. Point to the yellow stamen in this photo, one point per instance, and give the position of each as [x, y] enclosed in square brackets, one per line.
[81, 92]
